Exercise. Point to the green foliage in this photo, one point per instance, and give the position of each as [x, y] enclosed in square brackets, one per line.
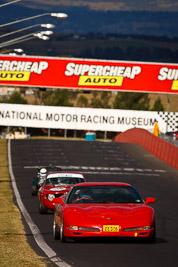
[131, 101]
[16, 98]
[3, 100]
[59, 97]
[100, 100]
[157, 106]
[82, 101]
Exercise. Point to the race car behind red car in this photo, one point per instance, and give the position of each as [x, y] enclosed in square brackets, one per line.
[55, 185]
[39, 179]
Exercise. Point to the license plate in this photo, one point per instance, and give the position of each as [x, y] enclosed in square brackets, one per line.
[110, 228]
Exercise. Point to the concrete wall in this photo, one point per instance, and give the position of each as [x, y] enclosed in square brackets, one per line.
[157, 146]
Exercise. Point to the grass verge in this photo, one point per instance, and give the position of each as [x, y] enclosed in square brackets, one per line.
[14, 248]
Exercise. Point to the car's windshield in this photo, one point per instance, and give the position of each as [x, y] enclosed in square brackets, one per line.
[63, 180]
[104, 194]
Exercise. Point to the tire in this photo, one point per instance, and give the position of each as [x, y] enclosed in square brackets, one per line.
[152, 239]
[42, 208]
[56, 231]
[62, 236]
[34, 190]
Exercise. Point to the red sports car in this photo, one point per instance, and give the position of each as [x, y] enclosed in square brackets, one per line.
[103, 209]
[55, 185]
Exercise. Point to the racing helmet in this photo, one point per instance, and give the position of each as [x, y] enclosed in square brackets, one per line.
[43, 172]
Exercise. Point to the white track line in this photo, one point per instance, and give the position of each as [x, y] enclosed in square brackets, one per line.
[108, 170]
[34, 229]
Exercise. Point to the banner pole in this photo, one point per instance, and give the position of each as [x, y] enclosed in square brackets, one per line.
[168, 110]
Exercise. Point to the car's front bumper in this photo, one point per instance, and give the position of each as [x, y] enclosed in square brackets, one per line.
[100, 233]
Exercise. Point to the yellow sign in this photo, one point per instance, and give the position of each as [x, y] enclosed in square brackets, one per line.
[22, 76]
[174, 85]
[101, 80]
[110, 228]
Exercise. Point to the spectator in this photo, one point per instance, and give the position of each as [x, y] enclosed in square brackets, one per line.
[156, 129]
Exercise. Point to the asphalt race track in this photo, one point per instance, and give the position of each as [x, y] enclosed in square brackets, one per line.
[102, 161]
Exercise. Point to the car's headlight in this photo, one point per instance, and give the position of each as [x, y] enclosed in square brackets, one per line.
[147, 228]
[51, 197]
[72, 227]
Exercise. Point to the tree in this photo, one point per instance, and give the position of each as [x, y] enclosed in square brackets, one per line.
[60, 97]
[100, 100]
[158, 106]
[131, 101]
[16, 98]
[82, 101]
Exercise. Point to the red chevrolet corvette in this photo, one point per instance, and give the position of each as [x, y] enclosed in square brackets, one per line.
[103, 209]
[55, 185]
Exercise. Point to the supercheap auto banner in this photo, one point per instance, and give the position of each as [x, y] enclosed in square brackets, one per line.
[71, 73]
[93, 119]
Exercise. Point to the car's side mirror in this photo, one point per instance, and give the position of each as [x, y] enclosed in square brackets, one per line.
[150, 200]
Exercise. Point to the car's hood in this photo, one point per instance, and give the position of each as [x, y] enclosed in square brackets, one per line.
[57, 188]
[109, 214]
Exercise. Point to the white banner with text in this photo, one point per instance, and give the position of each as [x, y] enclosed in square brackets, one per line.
[91, 119]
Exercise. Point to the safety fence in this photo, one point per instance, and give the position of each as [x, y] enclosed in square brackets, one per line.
[157, 146]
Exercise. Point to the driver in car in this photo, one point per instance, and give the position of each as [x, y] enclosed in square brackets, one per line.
[81, 195]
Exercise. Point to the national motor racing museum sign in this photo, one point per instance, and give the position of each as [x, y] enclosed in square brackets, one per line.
[113, 120]
[71, 73]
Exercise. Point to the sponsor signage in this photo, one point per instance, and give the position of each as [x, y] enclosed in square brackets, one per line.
[112, 120]
[72, 73]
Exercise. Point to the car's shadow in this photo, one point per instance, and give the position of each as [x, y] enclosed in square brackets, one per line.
[115, 240]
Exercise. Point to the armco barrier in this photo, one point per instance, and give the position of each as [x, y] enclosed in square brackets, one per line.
[157, 146]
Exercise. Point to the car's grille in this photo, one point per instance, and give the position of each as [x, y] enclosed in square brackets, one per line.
[58, 195]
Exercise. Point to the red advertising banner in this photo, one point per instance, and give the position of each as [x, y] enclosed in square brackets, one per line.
[72, 73]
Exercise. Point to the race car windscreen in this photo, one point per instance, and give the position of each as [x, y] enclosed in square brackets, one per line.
[104, 194]
[63, 180]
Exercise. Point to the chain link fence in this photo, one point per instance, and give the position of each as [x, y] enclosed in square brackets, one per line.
[169, 138]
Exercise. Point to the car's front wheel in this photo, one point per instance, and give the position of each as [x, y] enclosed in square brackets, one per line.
[56, 231]
[152, 239]
[42, 208]
[34, 190]
[62, 236]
